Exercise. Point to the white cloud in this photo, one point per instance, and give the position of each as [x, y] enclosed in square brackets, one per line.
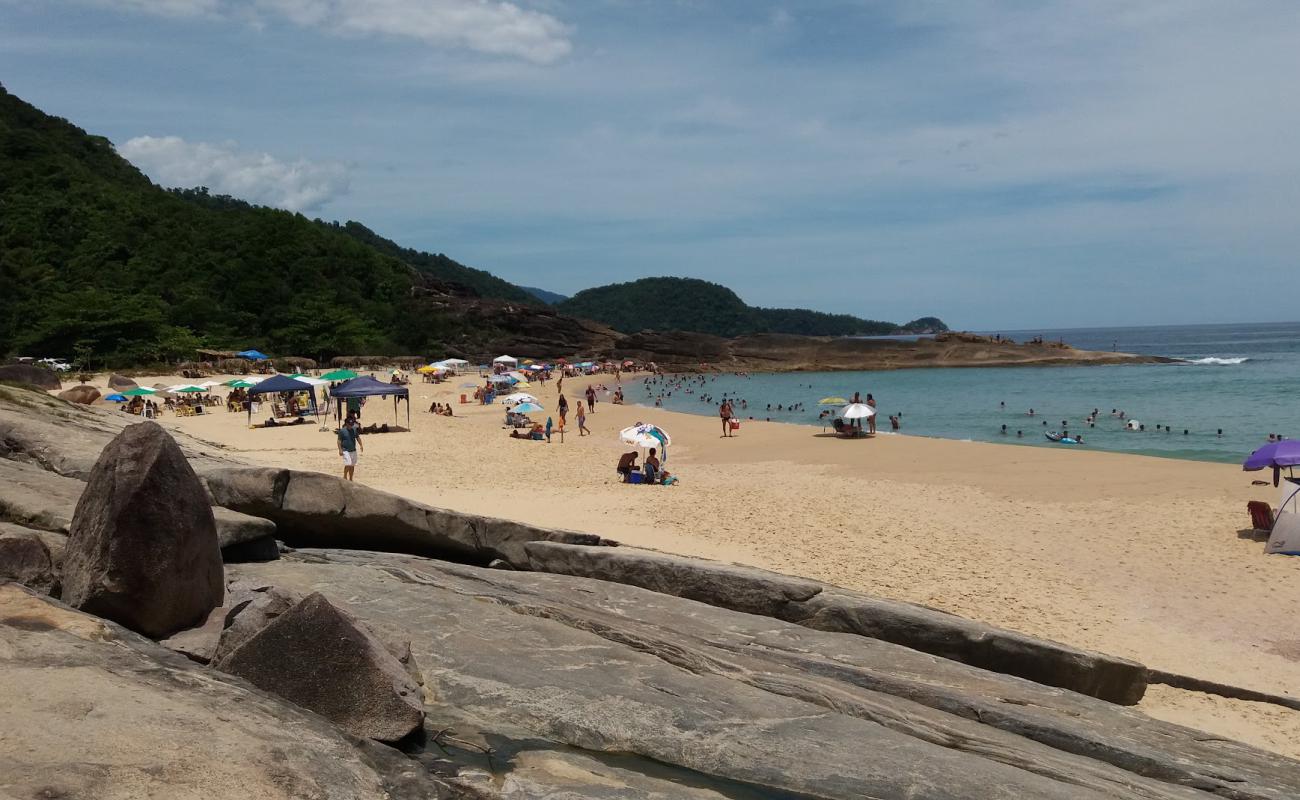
[256, 177]
[486, 26]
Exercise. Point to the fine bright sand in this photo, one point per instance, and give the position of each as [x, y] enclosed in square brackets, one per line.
[1135, 556]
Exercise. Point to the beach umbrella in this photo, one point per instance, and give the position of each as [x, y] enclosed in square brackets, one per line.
[140, 391]
[426, 369]
[191, 389]
[832, 401]
[858, 411]
[646, 435]
[527, 408]
[519, 397]
[339, 375]
[501, 379]
[115, 398]
[1284, 453]
[253, 355]
[240, 384]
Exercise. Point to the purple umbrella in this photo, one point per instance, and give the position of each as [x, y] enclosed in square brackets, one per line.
[1284, 453]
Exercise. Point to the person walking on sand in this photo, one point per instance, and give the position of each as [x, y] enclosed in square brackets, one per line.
[349, 440]
[582, 420]
[724, 411]
[549, 424]
[591, 398]
[563, 407]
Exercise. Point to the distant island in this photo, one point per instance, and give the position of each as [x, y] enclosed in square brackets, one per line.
[698, 306]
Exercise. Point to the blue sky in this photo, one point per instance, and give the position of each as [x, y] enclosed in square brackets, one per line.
[998, 164]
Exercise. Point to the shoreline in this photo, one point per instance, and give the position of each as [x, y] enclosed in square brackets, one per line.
[1137, 556]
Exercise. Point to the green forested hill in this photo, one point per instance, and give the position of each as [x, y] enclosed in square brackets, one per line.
[690, 304]
[98, 262]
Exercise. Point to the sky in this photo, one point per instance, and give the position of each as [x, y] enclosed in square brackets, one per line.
[1001, 165]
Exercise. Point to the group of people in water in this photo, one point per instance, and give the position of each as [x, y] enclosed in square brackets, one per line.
[1130, 426]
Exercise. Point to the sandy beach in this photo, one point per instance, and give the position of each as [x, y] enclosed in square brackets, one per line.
[1130, 555]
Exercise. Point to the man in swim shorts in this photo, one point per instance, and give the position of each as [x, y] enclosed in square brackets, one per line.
[349, 441]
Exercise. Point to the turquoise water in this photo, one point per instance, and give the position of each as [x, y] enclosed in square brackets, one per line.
[1242, 379]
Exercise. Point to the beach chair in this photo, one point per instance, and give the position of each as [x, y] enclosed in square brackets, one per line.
[1261, 515]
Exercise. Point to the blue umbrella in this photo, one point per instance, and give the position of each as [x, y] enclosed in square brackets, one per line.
[115, 398]
[253, 355]
[527, 408]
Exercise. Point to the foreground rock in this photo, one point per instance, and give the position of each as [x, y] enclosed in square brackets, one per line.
[45, 500]
[251, 607]
[695, 698]
[92, 710]
[31, 375]
[142, 549]
[758, 591]
[68, 438]
[322, 659]
[311, 509]
[26, 559]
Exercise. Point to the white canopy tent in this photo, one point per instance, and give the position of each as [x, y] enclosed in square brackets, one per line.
[505, 360]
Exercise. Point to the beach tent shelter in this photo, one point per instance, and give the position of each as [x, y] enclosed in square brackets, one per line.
[366, 386]
[505, 360]
[281, 383]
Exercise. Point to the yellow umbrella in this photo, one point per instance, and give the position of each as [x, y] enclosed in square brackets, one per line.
[523, 385]
[427, 369]
[832, 401]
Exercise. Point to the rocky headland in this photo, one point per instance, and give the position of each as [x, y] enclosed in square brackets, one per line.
[334, 641]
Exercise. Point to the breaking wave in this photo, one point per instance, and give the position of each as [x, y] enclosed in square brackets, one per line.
[1218, 362]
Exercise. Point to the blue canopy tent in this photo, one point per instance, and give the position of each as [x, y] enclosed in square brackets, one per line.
[366, 386]
[282, 383]
[253, 355]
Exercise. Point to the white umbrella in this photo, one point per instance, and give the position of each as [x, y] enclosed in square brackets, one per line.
[505, 360]
[858, 411]
[645, 435]
[518, 397]
[454, 362]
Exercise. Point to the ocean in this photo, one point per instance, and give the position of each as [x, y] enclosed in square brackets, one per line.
[1241, 379]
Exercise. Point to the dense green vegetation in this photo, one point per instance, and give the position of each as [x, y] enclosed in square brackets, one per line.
[99, 264]
[549, 298]
[690, 304]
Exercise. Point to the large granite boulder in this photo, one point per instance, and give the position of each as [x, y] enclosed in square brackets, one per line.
[31, 375]
[321, 658]
[26, 559]
[142, 549]
[706, 699]
[311, 509]
[929, 630]
[80, 394]
[250, 608]
[92, 710]
[121, 382]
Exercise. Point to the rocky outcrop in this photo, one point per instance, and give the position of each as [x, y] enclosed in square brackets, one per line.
[311, 509]
[745, 705]
[66, 438]
[322, 659]
[121, 382]
[46, 500]
[92, 710]
[80, 394]
[30, 375]
[142, 549]
[929, 630]
[26, 559]
[200, 643]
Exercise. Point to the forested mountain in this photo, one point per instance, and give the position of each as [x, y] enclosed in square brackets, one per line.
[98, 262]
[690, 304]
[550, 298]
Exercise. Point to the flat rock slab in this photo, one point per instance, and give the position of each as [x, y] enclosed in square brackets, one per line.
[312, 509]
[759, 591]
[37, 498]
[92, 710]
[758, 704]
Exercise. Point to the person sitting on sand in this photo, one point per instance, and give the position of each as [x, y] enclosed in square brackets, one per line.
[651, 467]
[627, 465]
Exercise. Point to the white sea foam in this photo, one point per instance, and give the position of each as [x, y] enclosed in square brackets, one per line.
[1218, 362]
